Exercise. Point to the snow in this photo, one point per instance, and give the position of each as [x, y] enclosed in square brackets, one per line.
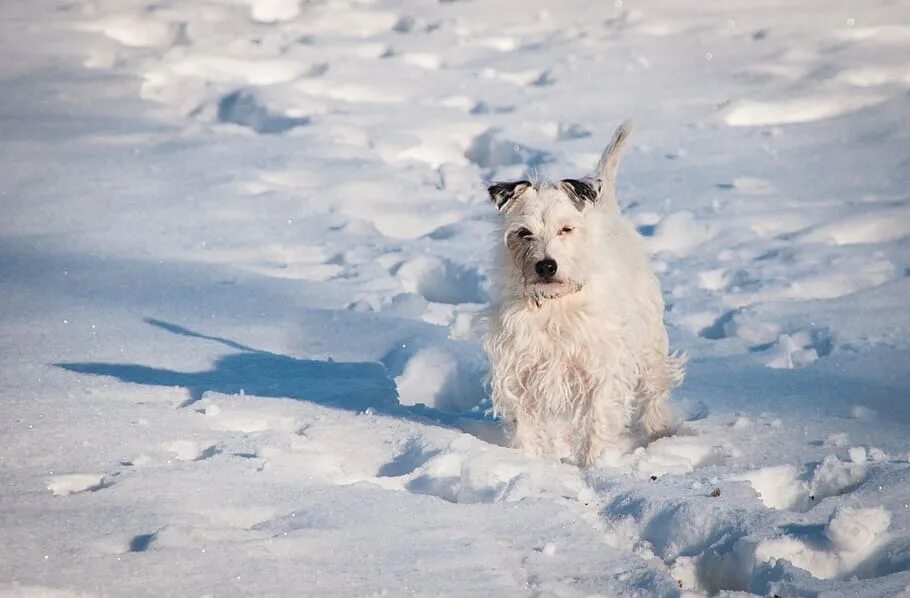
[64, 485]
[850, 537]
[245, 249]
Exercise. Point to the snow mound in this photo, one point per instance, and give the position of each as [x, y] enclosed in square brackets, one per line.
[880, 226]
[437, 378]
[678, 234]
[490, 150]
[852, 535]
[750, 113]
[785, 487]
[441, 280]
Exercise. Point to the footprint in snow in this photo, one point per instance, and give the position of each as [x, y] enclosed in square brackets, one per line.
[65, 485]
[413, 455]
[188, 450]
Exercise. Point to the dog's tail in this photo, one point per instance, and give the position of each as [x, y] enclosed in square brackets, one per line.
[609, 160]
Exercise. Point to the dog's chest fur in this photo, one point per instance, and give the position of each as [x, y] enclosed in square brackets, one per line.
[549, 359]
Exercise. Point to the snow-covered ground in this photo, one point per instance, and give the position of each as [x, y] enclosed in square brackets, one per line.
[244, 245]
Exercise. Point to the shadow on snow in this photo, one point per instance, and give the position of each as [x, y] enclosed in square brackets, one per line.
[342, 385]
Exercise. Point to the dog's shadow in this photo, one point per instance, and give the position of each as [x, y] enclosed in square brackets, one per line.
[352, 386]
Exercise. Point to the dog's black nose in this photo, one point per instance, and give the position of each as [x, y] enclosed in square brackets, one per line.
[545, 268]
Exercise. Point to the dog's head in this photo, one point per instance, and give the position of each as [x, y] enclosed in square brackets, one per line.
[550, 229]
[545, 231]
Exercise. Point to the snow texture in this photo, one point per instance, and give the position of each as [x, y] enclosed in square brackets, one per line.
[245, 247]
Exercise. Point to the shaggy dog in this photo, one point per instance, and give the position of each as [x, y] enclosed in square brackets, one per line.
[577, 345]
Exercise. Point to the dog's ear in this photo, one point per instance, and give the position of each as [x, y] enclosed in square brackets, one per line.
[581, 191]
[609, 161]
[502, 193]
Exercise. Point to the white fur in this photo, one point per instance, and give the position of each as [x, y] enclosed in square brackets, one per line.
[581, 363]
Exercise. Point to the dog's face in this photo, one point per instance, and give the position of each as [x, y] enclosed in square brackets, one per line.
[545, 232]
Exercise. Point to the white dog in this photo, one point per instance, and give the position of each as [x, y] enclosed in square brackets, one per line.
[577, 345]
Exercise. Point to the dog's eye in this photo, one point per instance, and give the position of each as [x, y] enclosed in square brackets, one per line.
[566, 230]
[523, 233]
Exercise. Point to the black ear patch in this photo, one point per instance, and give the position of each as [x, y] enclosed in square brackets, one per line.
[502, 193]
[580, 191]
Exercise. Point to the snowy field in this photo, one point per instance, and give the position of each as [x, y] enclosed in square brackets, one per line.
[245, 244]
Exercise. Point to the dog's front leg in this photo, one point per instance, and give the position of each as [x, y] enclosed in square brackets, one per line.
[600, 426]
[590, 443]
[520, 424]
[528, 437]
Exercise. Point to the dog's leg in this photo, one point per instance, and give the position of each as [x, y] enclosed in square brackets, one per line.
[595, 438]
[658, 377]
[599, 428]
[656, 417]
[528, 437]
[591, 444]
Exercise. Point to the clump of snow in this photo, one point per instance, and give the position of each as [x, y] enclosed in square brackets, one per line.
[778, 486]
[786, 487]
[790, 351]
[861, 412]
[877, 455]
[857, 454]
[856, 529]
[678, 454]
[133, 30]
[742, 423]
[853, 534]
[489, 150]
[270, 11]
[679, 233]
[752, 330]
[435, 377]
